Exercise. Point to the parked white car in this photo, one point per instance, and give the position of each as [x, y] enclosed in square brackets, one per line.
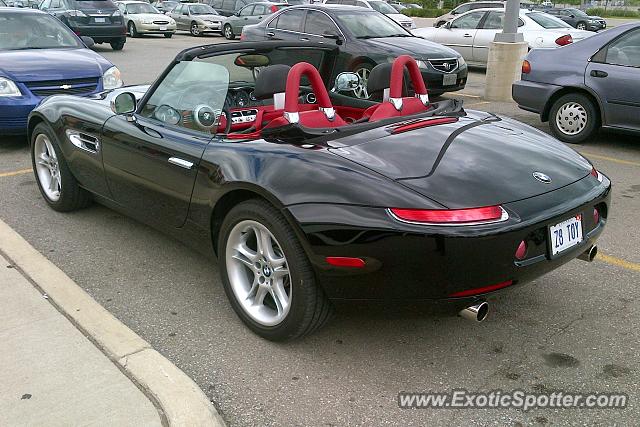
[380, 6]
[471, 33]
[142, 18]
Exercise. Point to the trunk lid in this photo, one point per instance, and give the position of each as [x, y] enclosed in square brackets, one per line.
[474, 162]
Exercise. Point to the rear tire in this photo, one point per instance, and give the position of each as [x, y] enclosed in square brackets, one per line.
[282, 272]
[228, 32]
[573, 118]
[63, 193]
[118, 44]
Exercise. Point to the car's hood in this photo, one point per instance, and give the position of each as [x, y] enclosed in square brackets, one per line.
[52, 64]
[449, 163]
[419, 47]
[152, 16]
[209, 17]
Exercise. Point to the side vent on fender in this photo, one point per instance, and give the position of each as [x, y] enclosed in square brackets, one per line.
[83, 140]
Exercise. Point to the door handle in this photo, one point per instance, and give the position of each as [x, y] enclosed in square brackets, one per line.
[270, 34]
[304, 39]
[598, 73]
[467, 36]
[181, 162]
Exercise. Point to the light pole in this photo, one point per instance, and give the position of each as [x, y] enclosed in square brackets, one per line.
[505, 56]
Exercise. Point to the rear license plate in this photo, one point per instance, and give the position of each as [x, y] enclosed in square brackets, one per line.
[566, 234]
[100, 20]
[163, 28]
[449, 79]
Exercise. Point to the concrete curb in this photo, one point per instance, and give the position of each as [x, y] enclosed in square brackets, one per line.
[180, 400]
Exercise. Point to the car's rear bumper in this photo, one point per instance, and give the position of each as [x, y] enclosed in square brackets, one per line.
[414, 262]
[533, 96]
[100, 33]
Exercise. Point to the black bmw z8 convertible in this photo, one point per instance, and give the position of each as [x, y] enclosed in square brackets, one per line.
[307, 194]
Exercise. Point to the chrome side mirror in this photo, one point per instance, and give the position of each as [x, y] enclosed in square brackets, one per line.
[346, 82]
[124, 103]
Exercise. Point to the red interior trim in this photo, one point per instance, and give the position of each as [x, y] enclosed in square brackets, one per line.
[397, 76]
[293, 86]
[483, 290]
[423, 123]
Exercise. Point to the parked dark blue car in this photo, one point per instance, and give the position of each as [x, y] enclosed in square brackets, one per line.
[40, 56]
[584, 86]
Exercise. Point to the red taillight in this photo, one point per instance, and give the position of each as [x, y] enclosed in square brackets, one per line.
[340, 261]
[483, 290]
[526, 67]
[596, 216]
[597, 175]
[451, 216]
[521, 252]
[274, 8]
[564, 40]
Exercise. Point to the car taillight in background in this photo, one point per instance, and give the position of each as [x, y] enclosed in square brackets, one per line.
[274, 8]
[483, 215]
[564, 40]
[526, 67]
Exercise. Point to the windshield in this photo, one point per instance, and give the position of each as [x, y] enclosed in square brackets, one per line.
[577, 12]
[96, 4]
[382, 7]
[547, 21]
[370, 25]
[202, 9]
[135, 8]
[41, 31]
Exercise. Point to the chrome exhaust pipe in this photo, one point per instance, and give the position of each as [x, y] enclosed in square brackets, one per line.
[476, 313]
[589, 254]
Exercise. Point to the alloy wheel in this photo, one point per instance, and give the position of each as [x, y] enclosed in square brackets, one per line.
[581, 26]
[47, 167]
[361, 90]
[228, 33]
[258, 273]
[571, 118]
[195, 30]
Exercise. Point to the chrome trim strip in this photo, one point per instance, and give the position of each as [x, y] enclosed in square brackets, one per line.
[397, 103]
[291, 117]
[504, 217]
[181, 162]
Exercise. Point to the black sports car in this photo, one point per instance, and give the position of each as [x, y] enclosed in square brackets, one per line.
[307, 194]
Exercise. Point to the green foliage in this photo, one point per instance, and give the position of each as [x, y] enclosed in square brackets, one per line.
[425, 13]
[613, 13]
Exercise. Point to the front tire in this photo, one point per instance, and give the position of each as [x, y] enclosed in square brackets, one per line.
[573, 118]
[363, 70]
[194, 29]
[168, 35]
[266, 274]
[133, 32]
[581, 26]
[228, 32]
[58, 186]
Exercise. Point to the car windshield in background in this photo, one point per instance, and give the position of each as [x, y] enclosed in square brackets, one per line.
[135, 8]
[370, 25]
[26, 31]
[202, 9]
[547, 21]
[382, 7]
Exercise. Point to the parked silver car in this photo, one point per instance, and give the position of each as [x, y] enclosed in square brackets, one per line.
[464, 8]
[142, 18]
[197, 18]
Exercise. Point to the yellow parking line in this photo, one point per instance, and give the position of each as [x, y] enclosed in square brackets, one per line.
[618, 262]
[14, 173]
[611, 159]
[465, 94]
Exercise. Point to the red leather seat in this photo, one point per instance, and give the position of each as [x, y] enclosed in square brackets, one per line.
[322, 117]
[397, 105]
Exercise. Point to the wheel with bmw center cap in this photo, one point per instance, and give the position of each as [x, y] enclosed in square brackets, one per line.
[266, 274]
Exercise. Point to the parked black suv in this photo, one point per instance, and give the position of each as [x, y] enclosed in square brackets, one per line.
[99, 19]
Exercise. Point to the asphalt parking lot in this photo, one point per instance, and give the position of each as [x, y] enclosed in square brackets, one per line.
[575, 329]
